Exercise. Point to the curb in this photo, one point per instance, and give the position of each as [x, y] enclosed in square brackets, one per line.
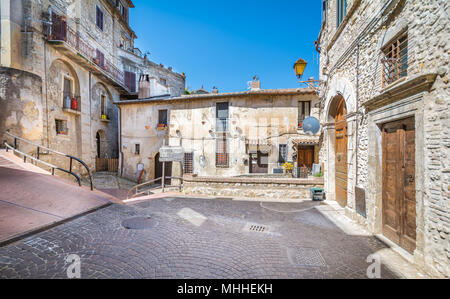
[46, 227]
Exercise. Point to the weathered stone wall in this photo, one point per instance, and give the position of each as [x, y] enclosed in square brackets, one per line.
[31, 53]
[351, 66]
[20, 105]
[192, 126]
[287, 190]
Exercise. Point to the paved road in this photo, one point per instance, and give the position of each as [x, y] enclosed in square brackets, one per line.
[30, 198]
[196, 238]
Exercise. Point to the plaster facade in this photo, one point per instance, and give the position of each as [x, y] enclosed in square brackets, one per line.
[264, 118]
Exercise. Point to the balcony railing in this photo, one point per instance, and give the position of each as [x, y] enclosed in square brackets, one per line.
[71, 102]
[61, 32]
[221, 125]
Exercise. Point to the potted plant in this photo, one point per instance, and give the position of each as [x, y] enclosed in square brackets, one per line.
[74, 104]
[104, 116]
[288, 166]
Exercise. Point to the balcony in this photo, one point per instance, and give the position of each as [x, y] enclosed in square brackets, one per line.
[71, 103]
[68, 41]
[222, 125]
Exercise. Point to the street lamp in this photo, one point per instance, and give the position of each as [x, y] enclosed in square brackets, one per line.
[299, 67]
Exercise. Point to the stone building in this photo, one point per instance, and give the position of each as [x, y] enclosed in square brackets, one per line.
[221, 134]
[384, 106]
[63, 65]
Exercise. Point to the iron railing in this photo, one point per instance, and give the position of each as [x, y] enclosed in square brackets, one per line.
[395, 61]
[61, 32]
[221, 125]
[15, 149]
[151, 182]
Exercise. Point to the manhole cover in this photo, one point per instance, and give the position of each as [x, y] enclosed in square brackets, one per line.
[309, 257]
[143, 222]
[258, 228]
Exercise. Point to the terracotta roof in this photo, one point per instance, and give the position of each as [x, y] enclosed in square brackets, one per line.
[285, 91]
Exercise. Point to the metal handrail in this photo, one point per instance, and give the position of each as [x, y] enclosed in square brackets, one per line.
[53, 167]
[152, 181]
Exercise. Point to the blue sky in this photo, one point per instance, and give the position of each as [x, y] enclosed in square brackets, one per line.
[225, 43]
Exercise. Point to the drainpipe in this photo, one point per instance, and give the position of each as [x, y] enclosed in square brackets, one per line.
[120, 140]
[46, 92]
[90, 109]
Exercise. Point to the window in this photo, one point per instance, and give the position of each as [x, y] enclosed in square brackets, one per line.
[67, 92]
[162, 118]
[188, 162]
[221, 152]
[395, 61]
[304, 110]
[137, 148]
[61, 127]
[163, 81]
[103, 105]
[324, 9]
[222, 117]
[341, 11]
[99, 18]
[130, 80]
[282, 153]
[121, 9]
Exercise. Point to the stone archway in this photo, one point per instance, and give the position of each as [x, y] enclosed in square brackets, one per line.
[339, 119]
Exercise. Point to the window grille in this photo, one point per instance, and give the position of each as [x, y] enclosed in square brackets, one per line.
[395, 61]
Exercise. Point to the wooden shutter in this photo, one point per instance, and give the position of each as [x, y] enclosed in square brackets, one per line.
[58, 28]
[130, 81]
[99, 18]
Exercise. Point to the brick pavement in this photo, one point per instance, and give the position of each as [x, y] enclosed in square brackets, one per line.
[196, 238]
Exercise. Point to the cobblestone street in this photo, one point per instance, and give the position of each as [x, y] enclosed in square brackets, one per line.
[197, 238]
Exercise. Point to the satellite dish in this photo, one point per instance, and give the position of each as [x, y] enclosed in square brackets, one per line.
[311, 125]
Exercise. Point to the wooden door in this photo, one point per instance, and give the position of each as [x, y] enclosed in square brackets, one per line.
[259, 163]
[340, 148]
[399, 198]
[305, 157]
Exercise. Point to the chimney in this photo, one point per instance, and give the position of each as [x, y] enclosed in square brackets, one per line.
[215, 90]
[144, 87]
[255, 84]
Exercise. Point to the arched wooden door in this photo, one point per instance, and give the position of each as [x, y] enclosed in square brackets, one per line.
[340, 148]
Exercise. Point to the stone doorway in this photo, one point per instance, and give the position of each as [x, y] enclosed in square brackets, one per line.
[399, 200]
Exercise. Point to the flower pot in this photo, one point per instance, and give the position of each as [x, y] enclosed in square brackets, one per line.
[74, 104]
